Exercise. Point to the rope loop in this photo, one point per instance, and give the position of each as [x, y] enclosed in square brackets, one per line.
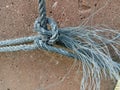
[48, 36]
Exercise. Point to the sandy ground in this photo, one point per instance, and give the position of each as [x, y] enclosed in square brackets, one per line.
[42, 70]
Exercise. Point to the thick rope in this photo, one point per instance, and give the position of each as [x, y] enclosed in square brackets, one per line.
[42, 13]
[42, 20]
[80, 43]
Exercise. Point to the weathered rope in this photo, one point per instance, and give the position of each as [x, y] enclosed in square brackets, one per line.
[91, 47]
[42, 13]
[42, 20]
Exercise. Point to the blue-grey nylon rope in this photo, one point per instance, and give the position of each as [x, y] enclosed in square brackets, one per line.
[82, 43]
[42, 13]
[42, 20]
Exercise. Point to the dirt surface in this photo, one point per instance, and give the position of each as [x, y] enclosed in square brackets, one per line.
[42, 70]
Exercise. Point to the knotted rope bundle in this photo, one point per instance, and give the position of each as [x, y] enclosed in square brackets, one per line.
[87, 44]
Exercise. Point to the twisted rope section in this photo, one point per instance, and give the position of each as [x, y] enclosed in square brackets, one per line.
[42, 20]
[42, 14]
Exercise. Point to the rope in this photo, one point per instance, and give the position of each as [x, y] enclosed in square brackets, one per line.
[42, 13]
[47, 37]
[42, 21]
[77, 42]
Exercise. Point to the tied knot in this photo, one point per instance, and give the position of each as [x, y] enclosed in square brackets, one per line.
[48, 36]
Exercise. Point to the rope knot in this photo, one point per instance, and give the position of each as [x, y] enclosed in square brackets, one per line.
[48, 36]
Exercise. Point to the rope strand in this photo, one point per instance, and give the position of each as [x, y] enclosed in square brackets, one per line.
[42, 13]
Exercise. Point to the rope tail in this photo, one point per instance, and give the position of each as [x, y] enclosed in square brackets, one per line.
[92, 48]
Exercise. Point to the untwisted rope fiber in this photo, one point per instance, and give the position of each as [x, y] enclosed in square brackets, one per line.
[88, 44]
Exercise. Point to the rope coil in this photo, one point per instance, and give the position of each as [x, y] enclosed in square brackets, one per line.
[52, 35]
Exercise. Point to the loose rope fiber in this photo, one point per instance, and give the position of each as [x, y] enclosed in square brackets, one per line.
[117, 85]
[90, 45]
